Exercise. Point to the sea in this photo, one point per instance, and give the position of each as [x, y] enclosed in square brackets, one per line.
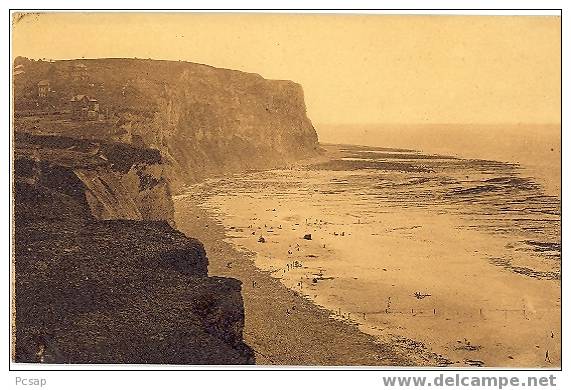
[449, 236]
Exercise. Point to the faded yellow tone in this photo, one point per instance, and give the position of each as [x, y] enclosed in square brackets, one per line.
[354, 68]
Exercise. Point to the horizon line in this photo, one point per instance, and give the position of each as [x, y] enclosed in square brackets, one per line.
[547, 123]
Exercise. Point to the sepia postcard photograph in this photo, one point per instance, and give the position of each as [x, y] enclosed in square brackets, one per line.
[286, 189]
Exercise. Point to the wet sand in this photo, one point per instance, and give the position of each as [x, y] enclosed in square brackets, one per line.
[459, 317]
[282, 326]
[400, 273]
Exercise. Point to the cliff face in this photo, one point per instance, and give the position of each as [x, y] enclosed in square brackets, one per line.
[101, 276]
[116, 181]
[202, 119]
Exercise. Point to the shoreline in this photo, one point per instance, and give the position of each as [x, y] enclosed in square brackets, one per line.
[228, 223]
[285, 328]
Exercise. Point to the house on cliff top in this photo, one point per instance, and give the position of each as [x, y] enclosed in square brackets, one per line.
[43, 88]
[79, 72]
[84, 108]
[19, 69]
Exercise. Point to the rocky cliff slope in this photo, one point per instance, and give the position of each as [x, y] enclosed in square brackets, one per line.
[101, 276]
[203, 120]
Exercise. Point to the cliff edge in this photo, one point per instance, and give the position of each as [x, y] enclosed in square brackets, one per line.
[101, 276]
[203, 120]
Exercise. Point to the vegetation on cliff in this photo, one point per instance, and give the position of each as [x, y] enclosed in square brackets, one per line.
[102, 276]
[202, 119]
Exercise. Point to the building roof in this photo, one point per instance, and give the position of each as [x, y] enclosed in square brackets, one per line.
[44, 82]
[78, 98]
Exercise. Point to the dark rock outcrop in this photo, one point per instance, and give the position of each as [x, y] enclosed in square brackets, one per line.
[101, 276]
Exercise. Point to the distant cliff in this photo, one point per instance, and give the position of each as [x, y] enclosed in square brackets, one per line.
[202, 119]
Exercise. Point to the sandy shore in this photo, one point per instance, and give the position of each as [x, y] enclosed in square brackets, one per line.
[373, 277]
[475, 313]
[282, 326]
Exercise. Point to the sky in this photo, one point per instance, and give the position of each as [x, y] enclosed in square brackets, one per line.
[354, 69]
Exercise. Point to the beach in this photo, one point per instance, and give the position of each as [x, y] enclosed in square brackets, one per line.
[281, 325]
[387, 257]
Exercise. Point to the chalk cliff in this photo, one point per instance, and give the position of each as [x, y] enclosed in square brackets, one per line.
[102, 276]
[118, 181]
[202, 119]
